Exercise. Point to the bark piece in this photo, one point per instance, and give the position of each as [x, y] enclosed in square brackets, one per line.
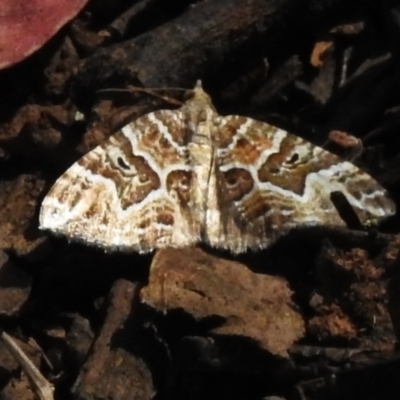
[251, 305]
[15, 286]
[80, 337]
[112, 372]
[208, 37]
[353, 304]
[18, 202]
[35, 130]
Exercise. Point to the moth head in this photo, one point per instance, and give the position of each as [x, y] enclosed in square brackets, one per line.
[198, 96]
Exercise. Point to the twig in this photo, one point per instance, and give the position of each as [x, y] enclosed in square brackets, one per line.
[43, 387]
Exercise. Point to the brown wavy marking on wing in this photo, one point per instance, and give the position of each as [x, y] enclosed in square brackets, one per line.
[291, 181]
[117, 195]
[289, 167]
[174, 178]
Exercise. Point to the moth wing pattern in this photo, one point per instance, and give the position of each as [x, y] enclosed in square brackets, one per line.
[178, 178]
[123, 195]
[273, 181]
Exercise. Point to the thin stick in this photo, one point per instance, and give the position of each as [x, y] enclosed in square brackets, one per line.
[151, 92]
[41, 385]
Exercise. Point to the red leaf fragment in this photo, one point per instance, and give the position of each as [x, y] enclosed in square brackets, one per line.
[25, 26]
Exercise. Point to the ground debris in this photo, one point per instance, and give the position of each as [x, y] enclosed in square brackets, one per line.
[246, 304]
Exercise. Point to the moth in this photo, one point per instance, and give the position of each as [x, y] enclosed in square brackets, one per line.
[176, 178]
